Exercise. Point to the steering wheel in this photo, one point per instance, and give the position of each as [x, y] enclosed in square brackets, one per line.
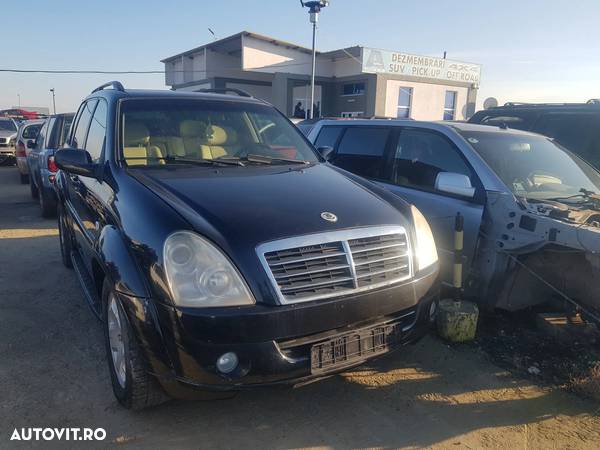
[266, 127]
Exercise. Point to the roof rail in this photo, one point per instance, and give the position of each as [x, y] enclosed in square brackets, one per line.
[239, 92]
[114, 84]
[517, 104]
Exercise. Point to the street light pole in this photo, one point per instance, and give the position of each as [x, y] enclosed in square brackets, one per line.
[314, 8]
[314, 64]
[19, 99]
[53, 100]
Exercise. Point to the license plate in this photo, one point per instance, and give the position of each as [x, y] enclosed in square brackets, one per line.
[347, 349]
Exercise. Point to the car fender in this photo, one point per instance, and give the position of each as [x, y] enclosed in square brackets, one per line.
[119, 264]
[121, 269]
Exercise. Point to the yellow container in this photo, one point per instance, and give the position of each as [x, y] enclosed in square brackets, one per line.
[457, 320]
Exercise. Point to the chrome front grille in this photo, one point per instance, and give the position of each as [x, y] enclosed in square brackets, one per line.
[337, 263]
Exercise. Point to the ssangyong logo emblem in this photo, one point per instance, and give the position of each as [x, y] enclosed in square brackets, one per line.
[329, 217]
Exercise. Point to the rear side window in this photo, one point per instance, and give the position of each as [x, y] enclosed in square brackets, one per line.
[421, 155]
[578, 132]
[361, 150]
[328, 136]
[66, 128]
[97, 133]
[83, 123]
[41, 137]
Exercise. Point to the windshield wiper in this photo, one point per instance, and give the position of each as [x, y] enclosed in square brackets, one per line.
[585, 196]
[262, 159]
[186, 160]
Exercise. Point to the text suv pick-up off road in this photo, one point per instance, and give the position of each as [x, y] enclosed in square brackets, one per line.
[221, 252]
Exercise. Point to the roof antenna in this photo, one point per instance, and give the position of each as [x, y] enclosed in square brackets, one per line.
[213, 34]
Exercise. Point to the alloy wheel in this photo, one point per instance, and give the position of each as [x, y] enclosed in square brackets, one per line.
[115, 337]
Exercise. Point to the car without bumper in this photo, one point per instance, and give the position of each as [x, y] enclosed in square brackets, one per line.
[531, 208]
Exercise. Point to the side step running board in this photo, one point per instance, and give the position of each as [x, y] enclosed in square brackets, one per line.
[87, 284]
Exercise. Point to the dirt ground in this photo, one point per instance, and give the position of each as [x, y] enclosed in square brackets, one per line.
[53, 374]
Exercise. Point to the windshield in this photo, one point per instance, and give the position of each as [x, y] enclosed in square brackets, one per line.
[7, 125]
[534, 167]
[158, 132]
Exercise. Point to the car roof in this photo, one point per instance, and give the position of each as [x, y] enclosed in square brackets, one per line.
[32, 122]
[436, 125]
[592, 105]
[168, 94]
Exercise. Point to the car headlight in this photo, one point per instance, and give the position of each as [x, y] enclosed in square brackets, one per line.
[425, 248]
[200, 275]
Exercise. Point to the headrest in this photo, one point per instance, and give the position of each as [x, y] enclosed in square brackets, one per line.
[192, 129]
[216, 135]
[136, 134]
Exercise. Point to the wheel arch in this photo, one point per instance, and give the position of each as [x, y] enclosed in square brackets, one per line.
[118, 264]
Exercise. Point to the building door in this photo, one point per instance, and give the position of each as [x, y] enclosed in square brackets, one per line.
[301, 101]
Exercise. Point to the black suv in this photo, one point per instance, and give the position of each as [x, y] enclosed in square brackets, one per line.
[222, 252]
[576, 126]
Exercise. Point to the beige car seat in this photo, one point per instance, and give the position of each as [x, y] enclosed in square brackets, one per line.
[219, 142]
[137, 148]
[193, 135]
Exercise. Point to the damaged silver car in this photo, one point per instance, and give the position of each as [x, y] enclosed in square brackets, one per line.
[531, 208]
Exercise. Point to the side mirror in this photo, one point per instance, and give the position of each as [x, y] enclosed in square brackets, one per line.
[454, 183]
[325, 151]
[30, 144]
[75, 161]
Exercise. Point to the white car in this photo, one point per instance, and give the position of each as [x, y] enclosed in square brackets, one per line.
[8, 136]
[28, 132]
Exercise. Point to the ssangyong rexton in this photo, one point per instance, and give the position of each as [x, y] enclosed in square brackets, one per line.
[222, 252]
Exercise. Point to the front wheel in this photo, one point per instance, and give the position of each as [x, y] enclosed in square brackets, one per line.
[132, 384]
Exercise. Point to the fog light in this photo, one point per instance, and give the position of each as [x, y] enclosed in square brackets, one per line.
[227, 362]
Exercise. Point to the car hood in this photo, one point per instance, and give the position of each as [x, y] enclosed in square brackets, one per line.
[7, 133]
[245, 206]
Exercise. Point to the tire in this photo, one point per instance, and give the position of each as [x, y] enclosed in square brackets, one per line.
[65, 238]
[24, 178]
[7, 161]
[133, 386]
[33, 188]
[47, 203]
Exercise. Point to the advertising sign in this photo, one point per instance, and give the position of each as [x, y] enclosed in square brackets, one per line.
[396, 63]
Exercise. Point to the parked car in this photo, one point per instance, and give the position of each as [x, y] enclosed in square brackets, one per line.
[222, 253]
[528, 204]
[574, 125]
[40, 160]
[26, 136]
[8, 135]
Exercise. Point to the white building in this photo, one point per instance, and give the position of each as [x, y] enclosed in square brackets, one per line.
[350, 82]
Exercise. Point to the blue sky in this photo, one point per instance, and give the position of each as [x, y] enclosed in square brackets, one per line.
[531, 50]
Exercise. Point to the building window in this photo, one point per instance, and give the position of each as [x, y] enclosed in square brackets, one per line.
[450, 105]
[350, 114]
[404, 102]
[353, 89]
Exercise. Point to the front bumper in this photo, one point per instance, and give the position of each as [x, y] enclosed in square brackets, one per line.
[7, 151]
[273, 343]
